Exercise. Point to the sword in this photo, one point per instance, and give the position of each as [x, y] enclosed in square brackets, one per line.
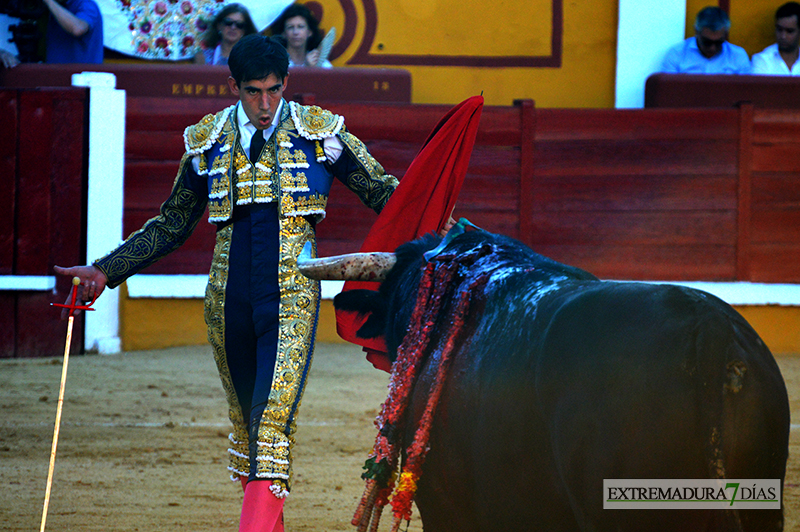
[72, 306]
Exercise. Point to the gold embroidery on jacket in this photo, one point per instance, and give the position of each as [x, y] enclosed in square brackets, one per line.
[315, 123]
[285, 158]
[219, 210]
[300, 159]
[282, 138]
[304, 205]
[294, 182]
[254, 181]
[220, 197]
[372, 184]
[214, 311]
[201, 136]
[159, 235]
[221, 163]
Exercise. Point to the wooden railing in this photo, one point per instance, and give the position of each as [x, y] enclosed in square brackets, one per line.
[42, 214]
[657, 194]
[669, 194]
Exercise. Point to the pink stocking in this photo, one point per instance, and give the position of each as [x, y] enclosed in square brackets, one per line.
[262, 511]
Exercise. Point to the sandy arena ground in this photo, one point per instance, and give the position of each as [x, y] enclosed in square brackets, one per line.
[144, 434]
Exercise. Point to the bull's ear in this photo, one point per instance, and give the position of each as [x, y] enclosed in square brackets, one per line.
[374, 327]
[361, 301]
[364, 302]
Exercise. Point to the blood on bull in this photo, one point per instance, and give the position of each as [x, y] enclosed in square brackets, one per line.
[554, 380]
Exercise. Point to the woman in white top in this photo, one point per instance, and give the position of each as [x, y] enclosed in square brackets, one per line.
[298, 29]
[231, 23]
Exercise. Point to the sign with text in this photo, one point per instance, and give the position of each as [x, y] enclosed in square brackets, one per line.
[682, 494]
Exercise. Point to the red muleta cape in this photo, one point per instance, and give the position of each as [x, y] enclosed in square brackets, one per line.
[422, 203]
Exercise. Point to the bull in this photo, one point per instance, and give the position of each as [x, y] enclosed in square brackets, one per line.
[559, 380]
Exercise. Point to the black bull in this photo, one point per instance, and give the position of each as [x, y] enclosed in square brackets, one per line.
[562, 380]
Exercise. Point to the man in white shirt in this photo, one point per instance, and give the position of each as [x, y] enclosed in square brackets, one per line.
[781, 58]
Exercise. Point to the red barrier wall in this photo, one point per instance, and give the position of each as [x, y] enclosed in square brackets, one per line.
[721, 90]
[42, 212]
[665, 194]
[189, 82]
[669, 194]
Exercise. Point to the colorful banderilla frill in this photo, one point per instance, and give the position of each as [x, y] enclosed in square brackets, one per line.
[437, 285]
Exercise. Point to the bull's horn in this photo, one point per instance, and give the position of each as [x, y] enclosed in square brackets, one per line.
[353, 267]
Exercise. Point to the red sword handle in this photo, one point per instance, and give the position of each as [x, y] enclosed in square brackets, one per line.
[72, 306]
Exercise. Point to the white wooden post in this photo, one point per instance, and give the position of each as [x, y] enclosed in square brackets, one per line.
[105, 198]
[646, 30]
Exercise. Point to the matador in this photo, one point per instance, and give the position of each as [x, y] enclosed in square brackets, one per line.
[264, 168]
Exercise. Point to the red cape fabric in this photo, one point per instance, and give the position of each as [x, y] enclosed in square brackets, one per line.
[421, 204]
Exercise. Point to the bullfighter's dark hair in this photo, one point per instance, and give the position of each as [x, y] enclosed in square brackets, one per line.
[256, 57]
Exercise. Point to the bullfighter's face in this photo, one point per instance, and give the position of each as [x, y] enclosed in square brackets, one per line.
[260, 98]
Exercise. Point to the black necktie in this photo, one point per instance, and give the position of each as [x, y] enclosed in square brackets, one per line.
[256, 145]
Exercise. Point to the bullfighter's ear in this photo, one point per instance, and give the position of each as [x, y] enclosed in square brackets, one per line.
[364, 302]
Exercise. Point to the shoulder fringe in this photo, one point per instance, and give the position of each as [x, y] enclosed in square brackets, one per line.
[315, 123]
[201, 136]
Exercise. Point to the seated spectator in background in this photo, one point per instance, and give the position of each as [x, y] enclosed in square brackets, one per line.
[7, 59]
[709, 51]
[298, 29]
[8, 52]
[780, 59]
[74, 32]
[231, 24]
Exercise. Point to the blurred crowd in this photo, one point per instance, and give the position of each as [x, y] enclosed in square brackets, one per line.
[190, 31]
[710, 52]
[204, 32]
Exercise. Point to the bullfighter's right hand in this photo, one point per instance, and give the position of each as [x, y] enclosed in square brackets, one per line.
[93, 282]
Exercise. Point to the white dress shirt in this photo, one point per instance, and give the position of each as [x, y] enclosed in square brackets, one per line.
[332, 145]
[770, 63]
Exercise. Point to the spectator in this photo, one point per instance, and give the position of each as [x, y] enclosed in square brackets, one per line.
[8, 52]
[231, 24]
[7, 59]
[74, 32]
[299, 30]
[780, 59]
[709, 51]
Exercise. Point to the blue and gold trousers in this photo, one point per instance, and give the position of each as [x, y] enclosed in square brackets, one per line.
[262, 317]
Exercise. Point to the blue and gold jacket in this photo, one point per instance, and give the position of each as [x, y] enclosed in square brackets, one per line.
[292, 170]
